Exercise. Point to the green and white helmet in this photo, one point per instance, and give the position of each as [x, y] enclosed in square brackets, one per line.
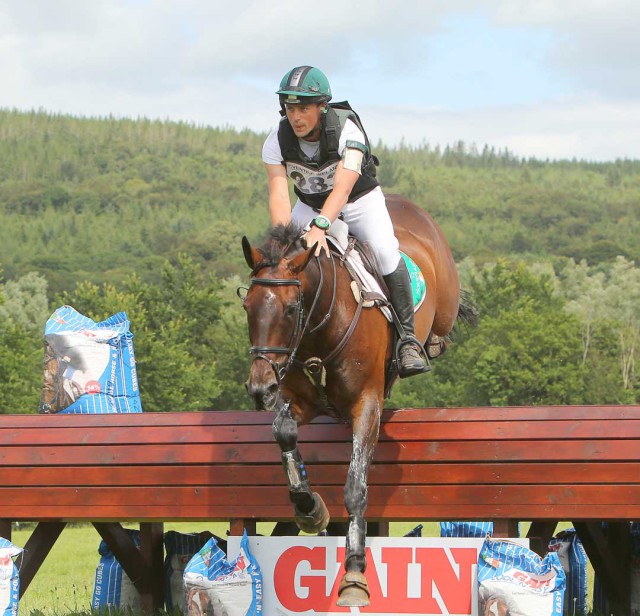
[304, 84]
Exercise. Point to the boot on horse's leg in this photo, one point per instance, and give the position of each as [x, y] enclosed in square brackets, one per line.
[311, 513]
[354, 589]
[436, 345]
[410, 355]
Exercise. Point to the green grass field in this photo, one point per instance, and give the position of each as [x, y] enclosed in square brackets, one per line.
[64, 584]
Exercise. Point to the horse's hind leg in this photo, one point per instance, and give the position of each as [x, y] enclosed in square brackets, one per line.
[354, 590]
[311, 512]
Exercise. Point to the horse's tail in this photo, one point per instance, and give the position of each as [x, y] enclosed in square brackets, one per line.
[467, 310]
[467, 316]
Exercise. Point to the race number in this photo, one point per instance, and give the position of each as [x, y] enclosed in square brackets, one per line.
[312, 181]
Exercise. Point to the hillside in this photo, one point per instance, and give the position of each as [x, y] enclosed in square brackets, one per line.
[147, 217]
[99, 198]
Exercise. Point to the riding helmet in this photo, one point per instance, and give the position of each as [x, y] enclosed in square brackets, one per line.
[304, 84]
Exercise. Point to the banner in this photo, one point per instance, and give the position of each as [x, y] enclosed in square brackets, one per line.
[425, 576]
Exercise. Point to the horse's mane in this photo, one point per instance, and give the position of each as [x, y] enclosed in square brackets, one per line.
[279, 240]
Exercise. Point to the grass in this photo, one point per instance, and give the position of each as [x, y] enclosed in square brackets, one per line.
[64, 584]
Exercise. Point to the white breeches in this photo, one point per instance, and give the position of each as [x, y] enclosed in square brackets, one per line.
[369, 221]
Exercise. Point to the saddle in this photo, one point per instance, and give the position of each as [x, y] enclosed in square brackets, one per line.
[368, 284]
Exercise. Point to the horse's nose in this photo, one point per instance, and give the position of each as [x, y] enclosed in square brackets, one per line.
[264, 394]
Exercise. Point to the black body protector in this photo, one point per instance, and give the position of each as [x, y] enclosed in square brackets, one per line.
[313, 177]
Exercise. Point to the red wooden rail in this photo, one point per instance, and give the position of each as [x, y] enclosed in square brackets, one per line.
[543, 464]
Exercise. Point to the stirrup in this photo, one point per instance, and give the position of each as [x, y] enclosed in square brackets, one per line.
[426, 365]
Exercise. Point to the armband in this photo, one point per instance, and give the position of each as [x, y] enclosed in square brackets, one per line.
[352, 160]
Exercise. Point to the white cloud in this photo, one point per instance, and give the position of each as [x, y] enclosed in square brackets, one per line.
[594, 129]
[214, 63]
[595, 43]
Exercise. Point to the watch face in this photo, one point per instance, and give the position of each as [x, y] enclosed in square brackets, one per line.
[322, 222]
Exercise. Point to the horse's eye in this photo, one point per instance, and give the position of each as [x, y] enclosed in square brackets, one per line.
[290, 310]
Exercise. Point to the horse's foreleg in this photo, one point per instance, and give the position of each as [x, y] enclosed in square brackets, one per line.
[311, 512]
[354, 591]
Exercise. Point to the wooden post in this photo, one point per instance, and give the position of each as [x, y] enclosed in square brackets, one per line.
[152, 548]
[237, 526]
[609, 555]
[378, 529]
[505, 528]
[126, 553]
[5, 529]
[36, 549]
[539, 535]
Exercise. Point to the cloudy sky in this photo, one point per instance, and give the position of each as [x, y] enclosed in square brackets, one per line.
[544, 78]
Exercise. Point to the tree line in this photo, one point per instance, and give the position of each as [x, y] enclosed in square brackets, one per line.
[147, 217]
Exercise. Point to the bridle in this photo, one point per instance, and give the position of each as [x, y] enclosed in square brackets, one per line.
[260, 352]
[302, 324]
[313, 367]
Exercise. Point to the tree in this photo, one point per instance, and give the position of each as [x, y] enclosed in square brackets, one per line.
[231, 341]
[172, 323]
[623, 304]
[23, 312]
[524, 356]
[586, 295]
[21, 372]
[607, 303]
[526, 349]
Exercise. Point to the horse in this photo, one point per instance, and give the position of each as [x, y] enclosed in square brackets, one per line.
[314, 353]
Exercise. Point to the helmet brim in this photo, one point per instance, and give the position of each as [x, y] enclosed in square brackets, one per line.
[301, 98]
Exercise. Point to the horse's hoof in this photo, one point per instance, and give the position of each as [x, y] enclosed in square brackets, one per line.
[316, 520]
[354, 590]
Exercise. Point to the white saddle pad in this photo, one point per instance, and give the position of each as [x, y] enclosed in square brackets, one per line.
[339, 238]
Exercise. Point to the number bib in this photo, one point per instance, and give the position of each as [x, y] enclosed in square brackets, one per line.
[312, 181]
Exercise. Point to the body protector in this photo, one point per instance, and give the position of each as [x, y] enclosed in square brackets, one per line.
[313, 177]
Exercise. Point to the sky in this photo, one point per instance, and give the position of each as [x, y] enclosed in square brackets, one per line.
[549, 79]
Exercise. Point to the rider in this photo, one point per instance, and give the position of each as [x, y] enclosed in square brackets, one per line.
[333, 172]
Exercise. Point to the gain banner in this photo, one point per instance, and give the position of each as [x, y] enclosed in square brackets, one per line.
[406, 575]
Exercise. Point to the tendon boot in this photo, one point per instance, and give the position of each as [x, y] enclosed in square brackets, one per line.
[410, 353]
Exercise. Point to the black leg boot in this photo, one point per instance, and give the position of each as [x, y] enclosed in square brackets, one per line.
[410, 358]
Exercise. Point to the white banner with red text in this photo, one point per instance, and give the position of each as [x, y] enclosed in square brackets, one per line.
[417, 576]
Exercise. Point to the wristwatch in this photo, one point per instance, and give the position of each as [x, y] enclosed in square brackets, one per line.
[322, 222]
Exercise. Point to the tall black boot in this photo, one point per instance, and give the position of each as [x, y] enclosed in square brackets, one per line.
[410, 359]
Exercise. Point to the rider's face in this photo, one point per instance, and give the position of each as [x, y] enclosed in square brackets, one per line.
[305, 120]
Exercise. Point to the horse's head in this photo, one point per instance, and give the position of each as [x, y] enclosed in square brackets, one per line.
[275, 310]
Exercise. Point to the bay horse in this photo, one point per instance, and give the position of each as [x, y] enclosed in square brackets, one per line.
[304, 321]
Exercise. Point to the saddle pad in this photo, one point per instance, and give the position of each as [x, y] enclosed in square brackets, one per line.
[418, 283]
[369, 283]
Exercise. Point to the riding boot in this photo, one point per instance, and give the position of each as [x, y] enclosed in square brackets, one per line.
[410, 358]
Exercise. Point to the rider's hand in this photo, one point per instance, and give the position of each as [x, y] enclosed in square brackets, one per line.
[314, 235]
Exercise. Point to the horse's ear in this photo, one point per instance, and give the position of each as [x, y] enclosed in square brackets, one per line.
[251, 255]
[297, 264]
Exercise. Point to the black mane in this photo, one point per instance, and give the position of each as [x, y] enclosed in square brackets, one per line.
[280, 239]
